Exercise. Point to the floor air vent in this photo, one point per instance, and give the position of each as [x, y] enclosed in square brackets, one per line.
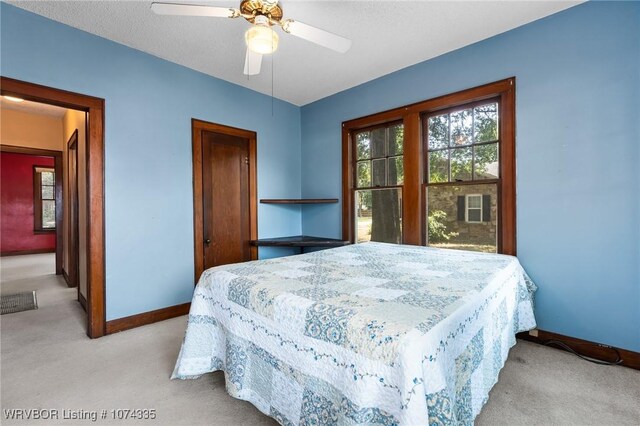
[18, 302]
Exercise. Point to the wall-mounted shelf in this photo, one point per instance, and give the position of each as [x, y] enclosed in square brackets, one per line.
[299, 200]
[299, 241]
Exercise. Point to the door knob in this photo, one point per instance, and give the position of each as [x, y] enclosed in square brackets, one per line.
[207, 241]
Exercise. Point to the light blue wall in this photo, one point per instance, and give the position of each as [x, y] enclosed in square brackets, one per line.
[148, 189]
[578, 157]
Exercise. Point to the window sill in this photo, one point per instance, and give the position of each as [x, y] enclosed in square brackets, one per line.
[44, 231]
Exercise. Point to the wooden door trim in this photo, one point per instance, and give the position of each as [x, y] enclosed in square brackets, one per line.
[73, 273]
[197, 127]
[57, 167]
[96, 312]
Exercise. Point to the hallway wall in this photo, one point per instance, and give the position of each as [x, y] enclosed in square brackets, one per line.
[30, 130]
[16, 205]
[71, 121]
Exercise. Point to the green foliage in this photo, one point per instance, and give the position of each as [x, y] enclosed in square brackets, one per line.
[363, 141]
[438, 166]
[485, 155]
[437, 228]
[457, 133]
[396, 139]
[364, 200]
[486, 123]
[461, 164]
[439, 131]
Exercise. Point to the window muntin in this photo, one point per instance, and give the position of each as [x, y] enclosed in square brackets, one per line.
[44, 199]
[379, 176]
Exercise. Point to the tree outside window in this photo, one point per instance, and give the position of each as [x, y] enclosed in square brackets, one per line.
[379, 179]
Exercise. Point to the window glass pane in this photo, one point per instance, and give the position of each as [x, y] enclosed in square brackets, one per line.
[47, 192]
[364, 174]
[461, 127]
[396, 171]
[378, 140]
[379, 215]
[439, 131]
[447, 225]
[485, 123]
[474, 215]
[47, 178]
[474, 201]
[363, 216]
[439, 166]
[396, 140]
[379, 172]
[461, 164]
[363, 145]
[486, 164]
[48, 214]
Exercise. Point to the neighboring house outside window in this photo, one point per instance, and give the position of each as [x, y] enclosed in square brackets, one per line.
[44, 198]
[473, 212]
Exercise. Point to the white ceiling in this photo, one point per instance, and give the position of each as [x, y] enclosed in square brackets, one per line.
[33, 108]
[387, 36]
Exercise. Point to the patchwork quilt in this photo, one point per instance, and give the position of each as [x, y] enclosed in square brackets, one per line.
[363, 334]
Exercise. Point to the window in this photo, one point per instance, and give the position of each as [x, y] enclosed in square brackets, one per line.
[44, 199]
[378, 183]
[462, 145]
[473, 208]
[447, 181]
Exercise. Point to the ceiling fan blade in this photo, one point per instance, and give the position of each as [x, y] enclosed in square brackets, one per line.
[252, 63]
[317, 36]
[193, 10]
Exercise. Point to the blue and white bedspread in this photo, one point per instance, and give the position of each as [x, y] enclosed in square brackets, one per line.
[364, 334]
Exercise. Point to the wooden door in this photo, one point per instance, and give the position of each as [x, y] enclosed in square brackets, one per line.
[226, 214]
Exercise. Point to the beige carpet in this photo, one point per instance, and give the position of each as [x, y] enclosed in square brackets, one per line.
[48, 362]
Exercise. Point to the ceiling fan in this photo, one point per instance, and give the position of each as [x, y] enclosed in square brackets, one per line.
[261, 39]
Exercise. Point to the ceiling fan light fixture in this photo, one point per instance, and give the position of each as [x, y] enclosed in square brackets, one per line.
[261, 39]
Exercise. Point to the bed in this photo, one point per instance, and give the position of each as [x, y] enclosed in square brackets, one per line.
[369, 333]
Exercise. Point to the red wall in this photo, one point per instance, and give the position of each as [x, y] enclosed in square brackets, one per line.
[16, 204]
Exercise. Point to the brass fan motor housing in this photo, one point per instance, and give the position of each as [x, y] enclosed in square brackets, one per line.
[249, 9]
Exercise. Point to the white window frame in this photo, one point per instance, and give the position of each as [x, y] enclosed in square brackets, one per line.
[467, 208]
